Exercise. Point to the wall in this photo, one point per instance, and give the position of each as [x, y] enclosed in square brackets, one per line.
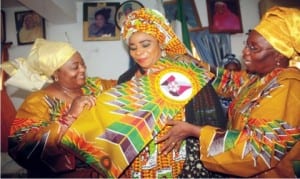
[109, 59]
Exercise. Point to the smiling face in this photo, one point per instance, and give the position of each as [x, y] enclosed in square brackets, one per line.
[259, 56]
[144, 49]
[72, 74]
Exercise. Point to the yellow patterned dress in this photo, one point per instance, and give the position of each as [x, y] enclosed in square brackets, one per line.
[264, 126]
[34, 135]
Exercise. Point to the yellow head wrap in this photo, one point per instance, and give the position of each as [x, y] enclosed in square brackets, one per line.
[280, 26]
[155, 24]
[47, 56]
[44, 58]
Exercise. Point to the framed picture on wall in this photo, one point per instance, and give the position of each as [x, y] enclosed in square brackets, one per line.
[29, 26]
[190, 11]
[99, 23]
[224, 16]
[124, 9]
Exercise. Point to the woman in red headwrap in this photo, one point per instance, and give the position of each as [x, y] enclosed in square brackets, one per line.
[224, 19]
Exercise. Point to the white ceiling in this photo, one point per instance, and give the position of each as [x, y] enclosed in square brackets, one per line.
[55, 11]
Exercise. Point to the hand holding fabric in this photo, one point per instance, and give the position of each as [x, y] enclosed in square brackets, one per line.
[178, 132]
[80, 103]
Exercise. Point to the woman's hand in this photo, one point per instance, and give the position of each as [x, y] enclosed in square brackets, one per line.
[178, 132]
[77, 106]
[80, 103]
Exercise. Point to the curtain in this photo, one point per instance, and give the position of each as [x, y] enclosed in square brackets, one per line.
[212, 47]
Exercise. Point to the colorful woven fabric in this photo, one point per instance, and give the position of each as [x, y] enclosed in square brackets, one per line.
[155, 24]
[127, 117]
[263, 138]
[34, 134]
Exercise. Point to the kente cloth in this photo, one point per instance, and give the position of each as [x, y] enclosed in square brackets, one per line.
[127, 117]
[154, 23]
[203, 109]
[264, 128]
[34, 134]
[151, 164]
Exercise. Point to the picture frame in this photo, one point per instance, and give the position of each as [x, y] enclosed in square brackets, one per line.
[93, 16]
[29, 26]
[3, 27]
[124, 9]
[224, 16]
[190, 10]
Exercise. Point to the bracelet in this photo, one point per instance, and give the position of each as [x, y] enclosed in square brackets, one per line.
[71, 116]
[67, 120]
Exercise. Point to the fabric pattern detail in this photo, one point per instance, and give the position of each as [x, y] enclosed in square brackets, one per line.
[143, 108]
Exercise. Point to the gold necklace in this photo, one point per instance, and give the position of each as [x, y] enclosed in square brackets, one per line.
[67, 91]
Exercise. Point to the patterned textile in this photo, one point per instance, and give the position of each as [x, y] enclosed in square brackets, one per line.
[137, 110]
[202, 109]
[249, 142]
[150, 164]
[155, 24]
[34, 135]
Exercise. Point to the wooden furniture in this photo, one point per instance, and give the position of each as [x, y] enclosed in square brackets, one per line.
[8, 110]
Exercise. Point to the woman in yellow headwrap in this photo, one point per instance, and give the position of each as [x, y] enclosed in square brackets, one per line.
[262, 138]
[47, 113]
[150, 40]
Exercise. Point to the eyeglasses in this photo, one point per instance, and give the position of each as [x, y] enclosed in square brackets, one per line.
[254, 49]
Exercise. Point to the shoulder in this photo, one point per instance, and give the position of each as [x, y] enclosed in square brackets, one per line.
[100, 83]
[34, 103]
[290, 79]
[290, 74]
[35, 96]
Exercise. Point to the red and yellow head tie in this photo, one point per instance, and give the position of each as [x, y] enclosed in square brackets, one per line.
[155, 24]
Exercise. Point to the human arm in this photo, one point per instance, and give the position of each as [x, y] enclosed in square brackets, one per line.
[203, 109]
[269, 130]
[227, 83]
[36, 132]
[34, 135]
[180, 130]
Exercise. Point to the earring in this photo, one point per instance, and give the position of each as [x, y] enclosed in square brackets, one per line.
[278, 63]
[55, 78]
